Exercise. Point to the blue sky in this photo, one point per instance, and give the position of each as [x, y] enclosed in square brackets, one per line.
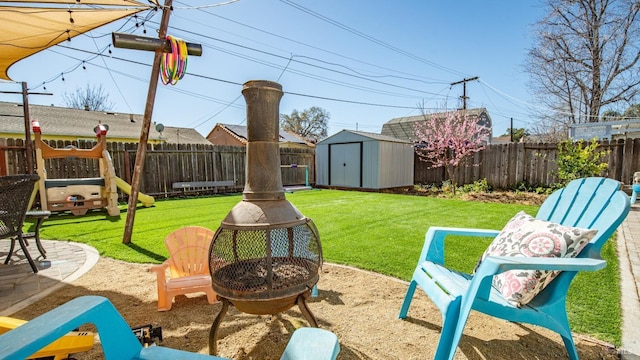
[365, 62]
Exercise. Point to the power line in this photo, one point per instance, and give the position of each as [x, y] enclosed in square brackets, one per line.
[240, 84]
[370, 38]
[292, 59]
[207, 6]
[305, 45]
[115, 83]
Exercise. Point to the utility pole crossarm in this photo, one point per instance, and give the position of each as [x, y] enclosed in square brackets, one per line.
[136, 42]
[464, 89]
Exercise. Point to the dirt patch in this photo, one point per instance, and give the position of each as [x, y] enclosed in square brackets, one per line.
[505, 197]
[360, 307]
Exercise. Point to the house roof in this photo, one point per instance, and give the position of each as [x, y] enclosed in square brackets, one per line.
[177, 135]
[60, 121]
[403, 127]
[502, 139]
[240, 132]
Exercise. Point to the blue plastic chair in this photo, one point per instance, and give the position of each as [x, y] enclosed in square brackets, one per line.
[117, 339]
[594, 203]
[312, 344]
[635, 188]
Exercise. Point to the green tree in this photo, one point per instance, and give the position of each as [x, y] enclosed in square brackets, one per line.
[578, 160]
[632, 112]
[311, 124]
[518, 133]
[611, 115]
[92, 97]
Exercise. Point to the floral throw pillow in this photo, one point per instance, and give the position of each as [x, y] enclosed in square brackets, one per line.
[527, 236]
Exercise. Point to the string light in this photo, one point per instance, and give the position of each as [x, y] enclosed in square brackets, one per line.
[82, 63]
[71, 17]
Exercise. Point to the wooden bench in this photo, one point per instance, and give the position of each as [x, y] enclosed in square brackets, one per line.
[201, 185]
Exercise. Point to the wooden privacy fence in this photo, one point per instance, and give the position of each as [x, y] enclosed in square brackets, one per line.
[165, 164]
[509, 165]
[504, 166]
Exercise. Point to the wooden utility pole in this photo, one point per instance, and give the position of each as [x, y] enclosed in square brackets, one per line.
[27, 123]
[464, 89]
[511, 127]
[27, 128]
[160, 46]
[144, 132]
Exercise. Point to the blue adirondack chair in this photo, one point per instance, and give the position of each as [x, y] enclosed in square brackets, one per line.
[117, 339]
[593, 203]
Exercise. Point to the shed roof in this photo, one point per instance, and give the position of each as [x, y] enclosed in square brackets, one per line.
[367, 135]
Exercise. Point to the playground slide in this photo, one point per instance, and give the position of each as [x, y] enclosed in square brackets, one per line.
[146, 200]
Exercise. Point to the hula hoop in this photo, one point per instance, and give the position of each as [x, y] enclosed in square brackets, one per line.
[173, 65]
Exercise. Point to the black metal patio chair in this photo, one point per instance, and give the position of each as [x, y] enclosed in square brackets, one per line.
[15, 193]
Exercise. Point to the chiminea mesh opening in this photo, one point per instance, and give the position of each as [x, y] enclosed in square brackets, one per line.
[265, 263]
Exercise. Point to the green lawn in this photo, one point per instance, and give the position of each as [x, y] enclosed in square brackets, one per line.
[379, 232]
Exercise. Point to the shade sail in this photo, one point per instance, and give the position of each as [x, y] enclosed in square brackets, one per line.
[27, 27]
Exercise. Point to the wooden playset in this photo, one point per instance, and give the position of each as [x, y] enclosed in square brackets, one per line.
[81, 194]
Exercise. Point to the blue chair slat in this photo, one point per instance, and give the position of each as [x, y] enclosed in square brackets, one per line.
[594, 203]
[601, 197]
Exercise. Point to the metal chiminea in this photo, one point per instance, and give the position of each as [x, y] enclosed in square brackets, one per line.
[265, 256]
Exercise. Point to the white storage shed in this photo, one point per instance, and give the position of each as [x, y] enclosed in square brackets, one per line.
[356, 159]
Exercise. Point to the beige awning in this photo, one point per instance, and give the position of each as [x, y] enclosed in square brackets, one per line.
[28, 26]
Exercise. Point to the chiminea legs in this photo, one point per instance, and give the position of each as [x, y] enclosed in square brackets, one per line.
[301, 301]
[304, 309]
[213, 333]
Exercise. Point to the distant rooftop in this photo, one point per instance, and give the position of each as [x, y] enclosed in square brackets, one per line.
[66, 122]
[240, 132]
[403, 127]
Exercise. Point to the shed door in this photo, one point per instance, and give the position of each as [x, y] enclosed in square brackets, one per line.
[345, 165]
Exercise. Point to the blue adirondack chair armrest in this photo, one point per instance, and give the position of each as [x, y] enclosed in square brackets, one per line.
[499, 264]
[433, 248]
[494, 265]
[116, 337]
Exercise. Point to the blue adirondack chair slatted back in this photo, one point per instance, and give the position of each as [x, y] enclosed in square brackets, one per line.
[594, 203]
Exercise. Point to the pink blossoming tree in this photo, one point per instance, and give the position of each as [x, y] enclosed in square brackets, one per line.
[446, 139]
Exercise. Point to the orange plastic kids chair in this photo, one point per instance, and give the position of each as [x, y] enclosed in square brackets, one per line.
[188, 266]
